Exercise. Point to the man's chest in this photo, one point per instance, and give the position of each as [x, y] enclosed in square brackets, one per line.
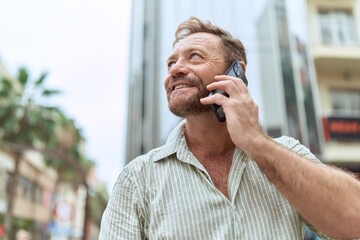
[184, 203]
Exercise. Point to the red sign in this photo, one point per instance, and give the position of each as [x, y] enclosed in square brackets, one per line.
[341, 128]
[2, 231]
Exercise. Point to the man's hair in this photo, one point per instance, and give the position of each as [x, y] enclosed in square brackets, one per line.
[233, 47]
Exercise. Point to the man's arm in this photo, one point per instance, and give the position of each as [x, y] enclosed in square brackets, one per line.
[120, 219]
[327, 198]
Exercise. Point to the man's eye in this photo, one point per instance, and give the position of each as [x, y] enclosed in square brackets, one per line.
[170, 64]
[194, 55]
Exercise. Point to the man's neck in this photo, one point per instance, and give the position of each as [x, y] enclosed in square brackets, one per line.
[205, 134]
[210, 142]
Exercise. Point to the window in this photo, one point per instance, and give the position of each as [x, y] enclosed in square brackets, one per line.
[8, 182]
[337, 28]
[24, 187]
[345, 101]
[37, 193]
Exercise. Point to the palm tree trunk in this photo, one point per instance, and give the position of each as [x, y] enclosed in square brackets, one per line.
[87, 219]
[11, 197]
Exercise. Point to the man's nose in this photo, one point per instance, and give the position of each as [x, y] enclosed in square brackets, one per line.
[178, 68]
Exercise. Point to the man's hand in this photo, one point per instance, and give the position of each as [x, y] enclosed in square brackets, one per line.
[242, 114]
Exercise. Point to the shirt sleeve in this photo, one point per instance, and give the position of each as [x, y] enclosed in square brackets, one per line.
[296, 147]
[122, 218]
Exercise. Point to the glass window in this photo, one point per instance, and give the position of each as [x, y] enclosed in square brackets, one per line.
[337, 27]
[345, 101]
[325, 29]
[25, 188]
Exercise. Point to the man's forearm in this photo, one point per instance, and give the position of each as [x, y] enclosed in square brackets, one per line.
[327, 198]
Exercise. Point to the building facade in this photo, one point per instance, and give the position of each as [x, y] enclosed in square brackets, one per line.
[32, 208]
[334, 53]
[144, 74]
[286, 87]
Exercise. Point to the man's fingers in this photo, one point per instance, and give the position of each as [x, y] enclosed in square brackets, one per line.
[216, 98]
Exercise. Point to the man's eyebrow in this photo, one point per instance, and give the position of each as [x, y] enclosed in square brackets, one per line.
[187, 50]
[171, 57]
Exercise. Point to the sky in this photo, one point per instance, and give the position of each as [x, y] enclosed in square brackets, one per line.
[84, 45]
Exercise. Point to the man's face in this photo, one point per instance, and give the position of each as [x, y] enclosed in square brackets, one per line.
[193, 64]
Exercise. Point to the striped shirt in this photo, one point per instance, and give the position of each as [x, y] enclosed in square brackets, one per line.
[168, 194]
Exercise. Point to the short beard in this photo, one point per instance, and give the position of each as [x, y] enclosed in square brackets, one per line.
[192, 105]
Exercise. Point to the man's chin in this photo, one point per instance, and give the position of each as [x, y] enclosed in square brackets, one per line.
[188, 111]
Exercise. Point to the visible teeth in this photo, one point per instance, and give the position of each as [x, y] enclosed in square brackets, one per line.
[180, 86]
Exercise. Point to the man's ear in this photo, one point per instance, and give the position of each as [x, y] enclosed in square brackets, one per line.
[243, 65]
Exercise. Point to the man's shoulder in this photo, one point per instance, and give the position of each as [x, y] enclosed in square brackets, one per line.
[147, 159]
[287, 141]
[295, 146]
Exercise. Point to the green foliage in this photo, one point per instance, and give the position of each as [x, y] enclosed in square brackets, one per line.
[41, 79]
[19, 223]
[23, 76]
[21, 119]
[27, 118]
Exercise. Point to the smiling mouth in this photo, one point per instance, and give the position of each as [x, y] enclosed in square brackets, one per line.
[180, 86]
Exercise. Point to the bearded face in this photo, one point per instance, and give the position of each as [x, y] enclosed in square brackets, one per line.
[184, 94]
[192, 65]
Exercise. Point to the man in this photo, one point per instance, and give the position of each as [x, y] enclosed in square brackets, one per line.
[225, 180]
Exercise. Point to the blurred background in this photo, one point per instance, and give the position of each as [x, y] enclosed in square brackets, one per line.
[81, 94]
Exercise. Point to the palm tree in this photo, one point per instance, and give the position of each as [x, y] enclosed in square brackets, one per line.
[26, 119]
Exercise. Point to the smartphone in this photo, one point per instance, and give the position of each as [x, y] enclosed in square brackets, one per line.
[234, 70]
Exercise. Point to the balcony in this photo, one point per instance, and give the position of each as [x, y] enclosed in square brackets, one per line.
[334, 58]
[335, 40]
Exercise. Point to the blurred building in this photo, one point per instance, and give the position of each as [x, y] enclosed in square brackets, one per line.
[144, 74]
[311, 87]
[334, 53]
[35, 189]
[152, 34]
[286, 86]
[4, 71]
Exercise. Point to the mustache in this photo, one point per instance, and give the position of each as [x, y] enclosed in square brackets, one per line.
[190, 80]
[193, 81]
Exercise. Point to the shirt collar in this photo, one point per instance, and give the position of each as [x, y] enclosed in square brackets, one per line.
[174, 142]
